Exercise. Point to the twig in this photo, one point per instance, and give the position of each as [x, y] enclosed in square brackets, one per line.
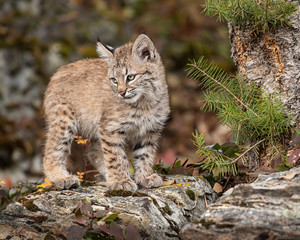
[217, 101]
[205, 200]
[227, 181]
[91, 171]
[84, 158]
[185, 162]
[175, 162]
[239, 157]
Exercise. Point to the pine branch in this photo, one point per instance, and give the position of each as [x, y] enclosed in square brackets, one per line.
[258, 15]
[240, 6]
[204, 73]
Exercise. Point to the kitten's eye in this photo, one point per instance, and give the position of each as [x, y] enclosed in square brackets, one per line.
[114, 81]
[130, 78]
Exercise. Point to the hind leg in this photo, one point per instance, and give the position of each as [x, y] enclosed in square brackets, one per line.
[60, 134]
[95, 156]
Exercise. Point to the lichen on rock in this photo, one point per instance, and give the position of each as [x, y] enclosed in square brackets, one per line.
[268, 208]
[158, 213]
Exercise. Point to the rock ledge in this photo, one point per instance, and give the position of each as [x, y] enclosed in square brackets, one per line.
[268, 208]
[158, 213]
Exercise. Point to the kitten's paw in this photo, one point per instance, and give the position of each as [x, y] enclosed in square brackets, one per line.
[126, 184]
[67, 183]
[154, 180]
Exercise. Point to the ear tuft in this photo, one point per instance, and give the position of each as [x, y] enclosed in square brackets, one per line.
[109, 48]
[104, 52]
[143, 48]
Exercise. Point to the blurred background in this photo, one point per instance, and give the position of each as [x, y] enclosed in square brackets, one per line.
[37, 37]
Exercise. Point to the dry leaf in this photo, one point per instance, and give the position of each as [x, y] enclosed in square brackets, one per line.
[2, 182]
[168, 182]
[44, 185]
[196, 171]
[293, 156]
[7, 182]
[217, 188]
[80, 140]
[180, 170]
[80, 175]
[289, 176]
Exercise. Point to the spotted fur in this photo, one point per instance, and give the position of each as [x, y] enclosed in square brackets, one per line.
[119, 99]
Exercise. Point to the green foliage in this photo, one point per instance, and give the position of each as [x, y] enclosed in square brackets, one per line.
[252, 116]
[162, 168]
[259, 15]
[219, 159]
[9, 195]
[167, 168]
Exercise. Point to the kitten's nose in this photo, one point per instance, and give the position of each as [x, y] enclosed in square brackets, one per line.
[122, 93]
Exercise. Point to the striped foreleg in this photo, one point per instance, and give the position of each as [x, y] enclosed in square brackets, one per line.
[116, 162]
[144, 156]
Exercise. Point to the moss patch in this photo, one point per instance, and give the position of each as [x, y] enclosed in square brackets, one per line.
[124, 193]
[88, 183]
[191, 194]
[167, 209]
[30, 205]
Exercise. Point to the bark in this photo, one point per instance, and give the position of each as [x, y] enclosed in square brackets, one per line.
[269, 208]
[271, 59]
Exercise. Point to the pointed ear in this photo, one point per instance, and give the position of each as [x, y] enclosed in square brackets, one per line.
[143, 48]
[104, 52]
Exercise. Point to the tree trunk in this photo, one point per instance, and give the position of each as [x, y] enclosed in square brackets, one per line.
[271, 60]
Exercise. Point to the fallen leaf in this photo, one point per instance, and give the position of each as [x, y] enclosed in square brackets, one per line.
[293, 156]
[80, 140]
[277, 160]
[195, 171]
[113, 229]
[44, 185]
[262, 169]
[289, 176]
[180, 170]
[80, 175]
[81, 221]
[76, 232]
[132, 233]
[217, 188]
[2, 182]
[8, 182]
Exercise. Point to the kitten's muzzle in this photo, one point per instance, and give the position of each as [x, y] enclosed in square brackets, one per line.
[122, 93]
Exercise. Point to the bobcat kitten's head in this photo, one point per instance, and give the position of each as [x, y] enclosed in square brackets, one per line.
[134, 69]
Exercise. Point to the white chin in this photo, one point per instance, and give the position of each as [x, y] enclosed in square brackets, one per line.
[132, 99]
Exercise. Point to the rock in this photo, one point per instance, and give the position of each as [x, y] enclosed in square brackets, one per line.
[158, 213]
[268, 208]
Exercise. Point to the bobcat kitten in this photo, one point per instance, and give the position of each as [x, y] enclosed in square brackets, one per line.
[120, 98]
